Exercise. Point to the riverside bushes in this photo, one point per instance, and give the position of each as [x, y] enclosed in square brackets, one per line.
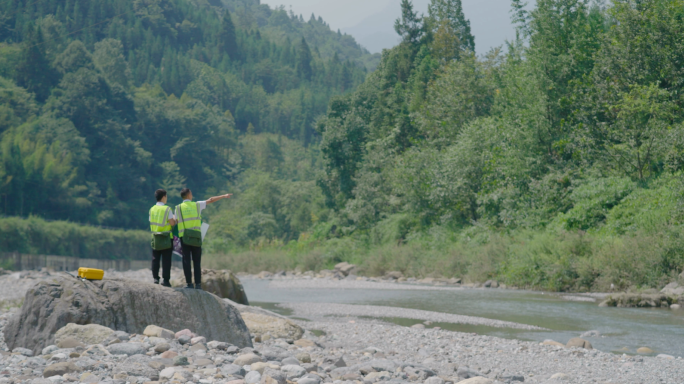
[562, 261]
[62, 238]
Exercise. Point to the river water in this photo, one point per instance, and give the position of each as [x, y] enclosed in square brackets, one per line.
[623, 330]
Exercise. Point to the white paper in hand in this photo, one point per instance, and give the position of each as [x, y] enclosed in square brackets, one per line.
[204, 228]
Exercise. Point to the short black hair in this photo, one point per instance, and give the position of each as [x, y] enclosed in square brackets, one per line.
[184, 192]
[159, 194]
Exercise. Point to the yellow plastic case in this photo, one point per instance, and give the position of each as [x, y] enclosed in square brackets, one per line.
[90, 273]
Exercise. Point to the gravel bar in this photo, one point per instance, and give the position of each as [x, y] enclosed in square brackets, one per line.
[327, 309]
[323, 283]
[497, 358]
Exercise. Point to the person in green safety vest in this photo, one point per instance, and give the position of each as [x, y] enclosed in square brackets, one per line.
[189, 216]
[161, 221]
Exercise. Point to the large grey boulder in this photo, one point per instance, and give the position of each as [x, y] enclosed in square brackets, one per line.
[222, 283]
[123, 305]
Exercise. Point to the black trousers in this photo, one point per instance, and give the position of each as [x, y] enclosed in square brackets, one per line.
[165, 258]
[192, 258]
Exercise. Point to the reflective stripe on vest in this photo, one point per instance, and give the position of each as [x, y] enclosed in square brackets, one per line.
[159, 219]
[188, 216]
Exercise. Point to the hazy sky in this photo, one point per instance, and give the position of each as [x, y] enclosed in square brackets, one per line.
[371, 22]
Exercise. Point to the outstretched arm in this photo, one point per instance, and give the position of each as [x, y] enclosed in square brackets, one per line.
[217, 198]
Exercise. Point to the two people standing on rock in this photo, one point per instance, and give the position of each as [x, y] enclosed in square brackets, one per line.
[188, 217]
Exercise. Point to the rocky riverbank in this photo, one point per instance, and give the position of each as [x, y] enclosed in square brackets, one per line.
[14, 285]
[671, 296]
[341, 344]
[337, 350]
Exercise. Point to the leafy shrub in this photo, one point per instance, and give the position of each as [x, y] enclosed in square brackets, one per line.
[592, 201]
[648, 210]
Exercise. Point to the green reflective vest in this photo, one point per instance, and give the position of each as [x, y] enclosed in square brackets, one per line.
[159, 219]
[188, 216]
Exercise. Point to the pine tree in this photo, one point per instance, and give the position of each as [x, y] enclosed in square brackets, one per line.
[409, 26]
[304, 60]
[34, 71]
[447, 18]
[227, 38]
[346, 80]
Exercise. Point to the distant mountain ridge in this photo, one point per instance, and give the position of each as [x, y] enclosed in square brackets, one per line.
[279, 25]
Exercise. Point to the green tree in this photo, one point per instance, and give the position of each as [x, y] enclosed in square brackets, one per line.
[450, 28]
[74, 57]
[564, 37]
[304, 58]
[520, 18]
[33, 70]
[109, 58]
[227, 38]
[409, 26]
[641, 121]
[172, 181]
[459, 95]
[635, 85]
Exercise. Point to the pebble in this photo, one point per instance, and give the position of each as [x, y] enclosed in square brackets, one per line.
[291, 361]
[185, 332]
[252, 377]
[644, 350]
[168, 355]
[303, 357]
[304, 343]
[293, 371]
[23, 351]
[232, 370]
[49, 349]
[247, 359]
[309, 380]
[128, 349]
[180, 360]
[167, 373]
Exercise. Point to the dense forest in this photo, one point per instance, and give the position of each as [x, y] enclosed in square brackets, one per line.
[554, 161]
[105, 101]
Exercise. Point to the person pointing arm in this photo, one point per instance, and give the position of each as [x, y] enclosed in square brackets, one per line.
[189, 216]
[217, 198]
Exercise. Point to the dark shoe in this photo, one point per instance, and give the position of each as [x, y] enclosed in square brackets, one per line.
[198, 286]
[190, 286]
[156, 281]
[166, 284]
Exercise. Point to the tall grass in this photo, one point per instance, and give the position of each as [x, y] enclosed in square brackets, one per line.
[564, 261]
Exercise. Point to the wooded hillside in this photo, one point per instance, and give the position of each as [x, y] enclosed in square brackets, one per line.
[104, 101]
